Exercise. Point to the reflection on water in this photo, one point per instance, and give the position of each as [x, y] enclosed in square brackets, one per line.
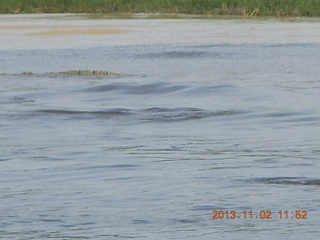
[207, 115]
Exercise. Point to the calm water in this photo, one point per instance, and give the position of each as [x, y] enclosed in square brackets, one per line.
[207, 115]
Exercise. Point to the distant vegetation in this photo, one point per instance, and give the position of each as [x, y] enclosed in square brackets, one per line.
[212, 7]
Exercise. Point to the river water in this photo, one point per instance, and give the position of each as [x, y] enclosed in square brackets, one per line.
[206, 115]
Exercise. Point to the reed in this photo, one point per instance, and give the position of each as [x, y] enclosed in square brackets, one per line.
[212, 7]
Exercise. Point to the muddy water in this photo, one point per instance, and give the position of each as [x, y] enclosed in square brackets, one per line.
[206, 115]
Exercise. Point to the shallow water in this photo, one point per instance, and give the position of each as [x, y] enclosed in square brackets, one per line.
[206, 115]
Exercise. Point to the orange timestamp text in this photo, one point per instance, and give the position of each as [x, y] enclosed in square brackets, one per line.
[263, 214]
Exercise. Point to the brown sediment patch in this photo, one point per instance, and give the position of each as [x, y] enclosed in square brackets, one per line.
[86, 31]
[18, 27]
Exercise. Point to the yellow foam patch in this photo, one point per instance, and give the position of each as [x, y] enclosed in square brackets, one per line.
[86, 31]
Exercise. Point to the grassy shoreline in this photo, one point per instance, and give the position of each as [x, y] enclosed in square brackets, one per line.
[280, 8]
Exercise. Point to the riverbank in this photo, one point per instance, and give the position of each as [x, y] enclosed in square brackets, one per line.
[219, 7]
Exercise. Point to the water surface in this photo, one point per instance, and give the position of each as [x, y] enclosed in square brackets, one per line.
[206, 115]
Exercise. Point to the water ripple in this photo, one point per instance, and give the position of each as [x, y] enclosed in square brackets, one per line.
[104, 113]
[180, 114]
[152, 88]
[174, 54]
[156, 114]
[289, 181]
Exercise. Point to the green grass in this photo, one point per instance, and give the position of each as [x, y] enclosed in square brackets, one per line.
[213, 7]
